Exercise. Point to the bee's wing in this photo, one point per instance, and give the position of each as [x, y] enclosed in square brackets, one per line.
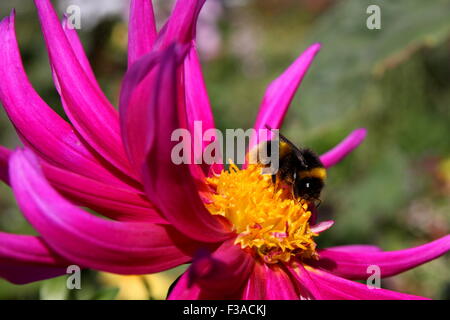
[296, 150]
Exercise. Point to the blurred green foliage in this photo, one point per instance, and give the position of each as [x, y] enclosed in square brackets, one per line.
[393, 191]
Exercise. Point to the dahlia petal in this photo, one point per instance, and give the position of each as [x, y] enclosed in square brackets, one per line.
[23, 274]
[117, 203]
[269, 283]
[198, 107]
[180, 28]
[306, 285]
[26, 259]
[220, 275]
[279, 286]
[90, 241]
[225, 269]
[88, 109]
[339, 152]
[183, 290]
[39, 127]
[111, 201]
[169, 186]
[78, 49]
[353, 264]
[322, 226]
[141, 29]
[280, 93]
[335, 288]
[255, 289]
[355, 248]
[181, 25]
[4, 158]
[135, 97]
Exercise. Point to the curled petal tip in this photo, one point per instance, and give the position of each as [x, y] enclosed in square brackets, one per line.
[339, 152]
[281, 91]
[8, 20]
[315, 47]
[352, 262]
[361, 132]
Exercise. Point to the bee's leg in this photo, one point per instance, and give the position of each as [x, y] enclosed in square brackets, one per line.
[294, 194]
[293, 189]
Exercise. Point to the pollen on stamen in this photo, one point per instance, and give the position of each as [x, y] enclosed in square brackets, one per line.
[268, 221]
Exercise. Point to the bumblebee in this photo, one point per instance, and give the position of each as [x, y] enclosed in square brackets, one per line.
[300, 169]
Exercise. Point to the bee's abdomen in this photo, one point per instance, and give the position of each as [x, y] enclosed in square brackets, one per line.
[318, 172]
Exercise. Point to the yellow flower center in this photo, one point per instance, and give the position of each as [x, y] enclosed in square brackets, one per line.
[268, 220]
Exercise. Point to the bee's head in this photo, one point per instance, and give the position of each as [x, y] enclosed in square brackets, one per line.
[308, 188]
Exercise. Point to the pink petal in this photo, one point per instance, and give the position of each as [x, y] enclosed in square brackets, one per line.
[88, 109]
[255, 288]
[134, 112]
[322, 226]
[353, 264]
[278, 285]
[78, 49]
[198, 107]
[141, 29]
[90, 241]
[114, 202]
[270, 283]
[339, 152]
[181, 24]
[117, 203]
[356, 248]
[306, 285]
[280, 93]
[183, 290]
[26, 259]
[169, 186]
[335, 288]
[37, 124]
[4, 158]
[135, 96]
[220, 275]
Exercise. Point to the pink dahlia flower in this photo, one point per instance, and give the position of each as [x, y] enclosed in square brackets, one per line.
[244, 239]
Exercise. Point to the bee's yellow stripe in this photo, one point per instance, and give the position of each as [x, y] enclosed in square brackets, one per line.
[285, 148]
[319, 173]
